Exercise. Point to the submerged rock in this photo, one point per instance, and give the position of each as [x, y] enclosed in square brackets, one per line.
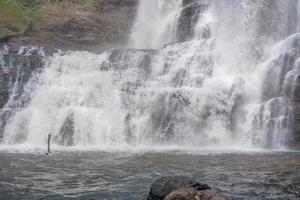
[162, 187]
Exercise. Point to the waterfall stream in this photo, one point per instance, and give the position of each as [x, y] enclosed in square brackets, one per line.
[196, 74]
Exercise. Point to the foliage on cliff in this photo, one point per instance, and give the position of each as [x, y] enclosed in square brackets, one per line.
[13, 18]
[64, 21]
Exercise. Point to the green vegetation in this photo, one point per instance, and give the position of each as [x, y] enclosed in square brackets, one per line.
[65, 24]
[16, 16]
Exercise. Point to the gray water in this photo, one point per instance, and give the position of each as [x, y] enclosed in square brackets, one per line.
[128, 176]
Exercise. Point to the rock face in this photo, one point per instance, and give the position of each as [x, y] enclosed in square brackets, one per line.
[101, 26]
[121, 59]
[106, 27]
[192, 194]
[17, 67]
[162, 187]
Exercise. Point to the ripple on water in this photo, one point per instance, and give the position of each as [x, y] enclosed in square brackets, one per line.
[121, 175]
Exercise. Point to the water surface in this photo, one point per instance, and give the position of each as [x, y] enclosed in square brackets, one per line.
[128, 176]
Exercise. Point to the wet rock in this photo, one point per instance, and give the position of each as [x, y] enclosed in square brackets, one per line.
[17, 65]
[77, 31]
[296, 91]
[166, 117]
[192, 194]
[4, 88]
[162, 187]
[122, 59]
[188, 18]
[67, 131]
[131, 87]
[179, 78]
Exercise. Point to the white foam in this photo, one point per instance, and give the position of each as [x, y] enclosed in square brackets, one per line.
[185, 99]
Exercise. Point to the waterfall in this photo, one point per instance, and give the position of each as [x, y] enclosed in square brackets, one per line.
[197, 74]
[156, 23]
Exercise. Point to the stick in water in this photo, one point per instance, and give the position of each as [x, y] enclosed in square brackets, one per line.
[49, 138]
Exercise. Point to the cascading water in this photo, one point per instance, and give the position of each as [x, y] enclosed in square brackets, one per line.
[16, 69]
[155, 24]
[205, 77]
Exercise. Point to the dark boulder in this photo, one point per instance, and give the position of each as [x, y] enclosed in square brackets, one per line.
[165, 185]
[192, 194]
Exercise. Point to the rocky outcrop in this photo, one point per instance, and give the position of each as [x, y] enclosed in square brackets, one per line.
[107, 27]
[17, 66]
[99, 27]
[181, 188]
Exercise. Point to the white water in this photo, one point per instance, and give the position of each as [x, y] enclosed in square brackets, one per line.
[71, 85]
[204, 93]
[156, 24]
